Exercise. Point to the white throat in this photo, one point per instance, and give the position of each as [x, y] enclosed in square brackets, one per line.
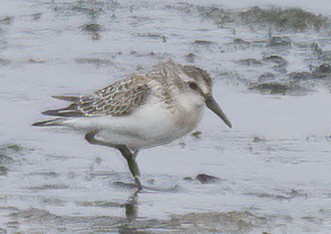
[190, 101]
[189, 111]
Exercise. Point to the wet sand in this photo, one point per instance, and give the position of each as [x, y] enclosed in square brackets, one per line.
[271, 77]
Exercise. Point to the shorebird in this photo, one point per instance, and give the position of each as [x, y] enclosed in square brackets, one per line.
[143, 110]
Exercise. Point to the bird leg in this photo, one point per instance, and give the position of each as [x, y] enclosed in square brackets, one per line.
[129, 155]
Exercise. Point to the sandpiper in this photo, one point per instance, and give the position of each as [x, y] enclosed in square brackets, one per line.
[143, 110]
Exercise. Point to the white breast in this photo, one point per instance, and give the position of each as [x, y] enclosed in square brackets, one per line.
[149, 126]
[188, 112]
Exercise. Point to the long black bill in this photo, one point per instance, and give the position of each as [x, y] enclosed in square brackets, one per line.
[212, 104]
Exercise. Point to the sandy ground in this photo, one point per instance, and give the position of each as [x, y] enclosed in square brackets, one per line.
[273, 166]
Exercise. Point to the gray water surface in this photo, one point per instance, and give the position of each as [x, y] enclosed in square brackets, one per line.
[273, 167]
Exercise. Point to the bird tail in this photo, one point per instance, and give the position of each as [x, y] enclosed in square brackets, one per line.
[74, 99]
[70, 111]
[51, 122]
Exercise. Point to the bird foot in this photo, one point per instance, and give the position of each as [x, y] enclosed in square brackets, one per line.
[138, 183]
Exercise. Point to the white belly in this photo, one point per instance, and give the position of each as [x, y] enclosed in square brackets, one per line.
[149, 126]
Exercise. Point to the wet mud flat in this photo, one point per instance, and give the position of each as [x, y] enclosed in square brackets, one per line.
[271, 71]
[42, 221]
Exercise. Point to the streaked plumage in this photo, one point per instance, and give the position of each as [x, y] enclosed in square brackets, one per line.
[143, 110]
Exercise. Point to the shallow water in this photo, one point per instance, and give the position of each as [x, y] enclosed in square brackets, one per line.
[274, 165]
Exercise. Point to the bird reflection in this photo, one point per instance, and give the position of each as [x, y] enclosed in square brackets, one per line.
[131, 214]
[131, 207]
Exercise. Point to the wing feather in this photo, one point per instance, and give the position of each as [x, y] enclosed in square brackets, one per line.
[118, 99]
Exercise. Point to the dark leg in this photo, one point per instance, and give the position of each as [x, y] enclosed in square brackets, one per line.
[129, 155]
[131, 159]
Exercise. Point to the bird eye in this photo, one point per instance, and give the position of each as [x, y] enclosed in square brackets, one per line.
[193, 85]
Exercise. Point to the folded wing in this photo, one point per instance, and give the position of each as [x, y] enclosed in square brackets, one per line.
[118, 99]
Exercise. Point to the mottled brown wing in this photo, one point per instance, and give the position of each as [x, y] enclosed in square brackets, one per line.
[117, 99]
